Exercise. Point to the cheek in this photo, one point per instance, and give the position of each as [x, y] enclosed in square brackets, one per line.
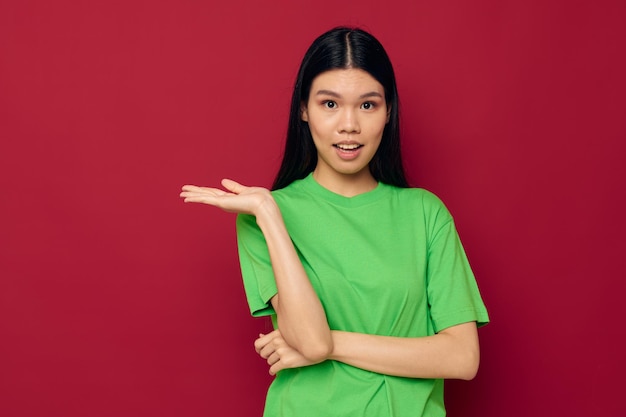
[319, 126]
[377, 127]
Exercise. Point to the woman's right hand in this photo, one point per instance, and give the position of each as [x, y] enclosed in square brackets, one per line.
[236, 199]
[300, 313]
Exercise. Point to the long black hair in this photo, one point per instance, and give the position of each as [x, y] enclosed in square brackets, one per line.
[342, 48]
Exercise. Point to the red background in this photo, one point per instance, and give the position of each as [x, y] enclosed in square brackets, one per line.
[118, 299]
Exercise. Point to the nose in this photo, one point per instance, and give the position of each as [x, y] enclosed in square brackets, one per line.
[349, 121]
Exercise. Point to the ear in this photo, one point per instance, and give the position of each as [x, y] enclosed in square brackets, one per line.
[388, 113]
[304, 115]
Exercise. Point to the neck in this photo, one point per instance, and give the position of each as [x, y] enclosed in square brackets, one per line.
[347, 185]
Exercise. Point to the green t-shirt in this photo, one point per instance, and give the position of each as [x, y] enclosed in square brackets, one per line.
[387, 262]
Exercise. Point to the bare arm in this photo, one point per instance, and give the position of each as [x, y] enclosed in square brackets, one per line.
[452, 353]
[301, 317]
[300, 314]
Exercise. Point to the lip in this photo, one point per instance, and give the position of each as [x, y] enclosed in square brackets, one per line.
[348, 154]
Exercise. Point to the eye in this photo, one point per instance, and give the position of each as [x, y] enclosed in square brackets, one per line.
[368, 105]
[329, 104]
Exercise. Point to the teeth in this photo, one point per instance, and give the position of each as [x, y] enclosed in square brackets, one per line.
[347, 147]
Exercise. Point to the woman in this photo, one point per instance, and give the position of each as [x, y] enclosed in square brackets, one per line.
[369, 289]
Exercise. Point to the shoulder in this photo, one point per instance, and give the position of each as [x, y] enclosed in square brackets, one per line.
[416, 193]
[427, 199]
[292, 194]
[423, 204]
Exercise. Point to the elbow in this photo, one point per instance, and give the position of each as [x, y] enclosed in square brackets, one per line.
[469, 365]
[466, 357]
[469, 374]
[317, 352]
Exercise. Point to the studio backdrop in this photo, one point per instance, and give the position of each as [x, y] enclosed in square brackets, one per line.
[116, 299]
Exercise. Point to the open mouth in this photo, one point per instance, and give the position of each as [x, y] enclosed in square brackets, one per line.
[348, 146]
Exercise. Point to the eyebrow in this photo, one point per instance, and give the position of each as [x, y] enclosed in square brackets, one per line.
[333, 94]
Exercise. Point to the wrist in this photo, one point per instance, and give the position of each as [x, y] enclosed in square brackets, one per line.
[267, 212]
[335, 336]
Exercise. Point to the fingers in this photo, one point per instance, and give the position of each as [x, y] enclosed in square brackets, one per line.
[233, 186]
[267, 344]
[195, 190]
[274, 369]
[201, 190]
[236, 199]
[260, 342]
[273, 358]
[210, 195]
[230, 185]
[189, 187]
[194, 194]
[275, 363]
[278, 354]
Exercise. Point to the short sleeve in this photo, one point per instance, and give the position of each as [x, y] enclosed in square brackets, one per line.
[256, 267]
[453, 294]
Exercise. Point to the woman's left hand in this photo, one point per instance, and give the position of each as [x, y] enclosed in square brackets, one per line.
[278, 353]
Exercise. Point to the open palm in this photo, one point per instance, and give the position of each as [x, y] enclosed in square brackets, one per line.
[235, 198]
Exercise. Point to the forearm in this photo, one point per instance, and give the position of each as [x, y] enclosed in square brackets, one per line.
[452, 353]
[301, 317]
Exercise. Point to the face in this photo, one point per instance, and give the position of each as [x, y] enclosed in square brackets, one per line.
[347, 114]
